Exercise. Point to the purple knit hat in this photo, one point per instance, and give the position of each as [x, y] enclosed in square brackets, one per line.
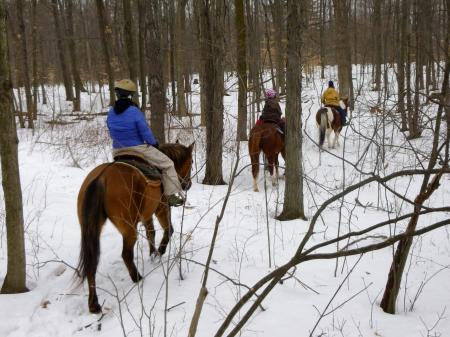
[270, 93]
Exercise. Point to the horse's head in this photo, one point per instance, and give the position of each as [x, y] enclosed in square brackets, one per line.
[182, 158]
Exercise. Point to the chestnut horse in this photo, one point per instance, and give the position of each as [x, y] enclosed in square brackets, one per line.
[267, 138]
[121, 193]
[328, 120]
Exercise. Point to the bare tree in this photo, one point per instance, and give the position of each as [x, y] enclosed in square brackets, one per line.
[241, 60]
[155, 60]
[23, 39]
[343, 49]
[67, 80]
[15, 280]
[212, 23]
[105, 33]
[73, 55]
[293, 207]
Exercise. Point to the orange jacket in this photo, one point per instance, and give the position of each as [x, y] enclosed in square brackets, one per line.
[330, 97]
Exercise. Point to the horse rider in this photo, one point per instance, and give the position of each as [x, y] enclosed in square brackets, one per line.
[129, 131]
[272, 111]
[331, 98]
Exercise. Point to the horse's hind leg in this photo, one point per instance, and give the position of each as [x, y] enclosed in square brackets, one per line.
[150, 231]
[163, 215]
[94, 306]
[129, 239]
[272, 159]
[255, 170]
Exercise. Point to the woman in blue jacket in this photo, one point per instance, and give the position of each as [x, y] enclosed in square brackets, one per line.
[129, 131]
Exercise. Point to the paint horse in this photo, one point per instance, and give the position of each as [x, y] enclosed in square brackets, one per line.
[265, 137]
[121, 193]
[328, 120]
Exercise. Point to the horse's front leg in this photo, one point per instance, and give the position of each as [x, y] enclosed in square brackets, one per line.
[328, 133]
[163, 215]
[336, 139]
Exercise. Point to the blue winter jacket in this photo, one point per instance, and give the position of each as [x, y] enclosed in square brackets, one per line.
[129, 128]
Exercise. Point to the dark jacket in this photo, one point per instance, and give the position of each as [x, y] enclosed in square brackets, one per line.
[127, 126]
[271, 111]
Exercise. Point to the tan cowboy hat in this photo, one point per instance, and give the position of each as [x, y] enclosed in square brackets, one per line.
[126, 84]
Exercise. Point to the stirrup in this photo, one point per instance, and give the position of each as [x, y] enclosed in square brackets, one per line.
[174, 200]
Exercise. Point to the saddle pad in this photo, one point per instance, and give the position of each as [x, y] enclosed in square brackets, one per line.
[149, 172]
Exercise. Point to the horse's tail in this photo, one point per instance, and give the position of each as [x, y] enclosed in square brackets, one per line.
[322, 126]
[254, 148]
[92, 218]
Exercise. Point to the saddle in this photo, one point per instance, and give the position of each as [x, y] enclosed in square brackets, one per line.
[261, 121]
[138, 161]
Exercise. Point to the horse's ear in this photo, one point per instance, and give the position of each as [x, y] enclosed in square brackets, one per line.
[177, 141]
[191, 147]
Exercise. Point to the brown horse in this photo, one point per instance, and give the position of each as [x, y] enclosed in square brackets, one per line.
[121, 193]
[267, 138]
[328, 120]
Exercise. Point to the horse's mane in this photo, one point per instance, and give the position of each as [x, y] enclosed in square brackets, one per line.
[177, 152]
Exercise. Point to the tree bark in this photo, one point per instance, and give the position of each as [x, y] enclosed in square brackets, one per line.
[62, 51]
[26, 69]
[241, 59]
[212, 20]
[378, 49]
[105, 37]
[142, 64]
[15, 280]
[129, 40]
[180, 53]
[293, 207]
[73, 56]
[343, 49]
[156, 67]
[402, 44]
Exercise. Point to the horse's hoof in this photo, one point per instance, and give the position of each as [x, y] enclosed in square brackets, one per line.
[136, 278]
[95, 308]
[161, 251]
[255, 189]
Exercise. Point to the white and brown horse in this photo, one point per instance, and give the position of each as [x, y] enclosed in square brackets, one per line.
[328, 120]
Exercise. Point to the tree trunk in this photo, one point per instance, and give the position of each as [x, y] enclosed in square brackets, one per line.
[73, 56]
[402, 44]
[34, 56]
[129, 40]
[15, 280]
[105, 37]
[343, 49]
[212, 21]
[142, 64]
[293, 194]
[26, 70]
[377, 35]
[241, 59]
[156, 67]
[62, 52]
[401, 254]
[279, 24]
[180, 53]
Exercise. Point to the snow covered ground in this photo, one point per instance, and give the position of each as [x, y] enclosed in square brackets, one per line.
[56, 306]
